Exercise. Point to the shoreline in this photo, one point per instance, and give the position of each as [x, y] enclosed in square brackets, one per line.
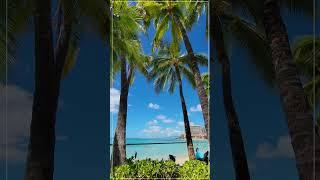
[198, 139]
[181, 159]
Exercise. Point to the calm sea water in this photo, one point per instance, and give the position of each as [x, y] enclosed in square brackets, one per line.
[177, 147]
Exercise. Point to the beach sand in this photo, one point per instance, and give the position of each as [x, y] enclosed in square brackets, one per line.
[181, 159]
[162, 151]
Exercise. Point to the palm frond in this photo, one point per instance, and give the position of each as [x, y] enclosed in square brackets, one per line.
[72, 54]
[172, 81]
[304, 7]
[98, 12]
[188, 74]
[206, 81]
[248, 9]
[201, 59]
[194, 9]
[176, 36]
[256, 44]
[309, 88]
[128, 23]
[19, 14]
[166, 65]
[115, 66]
[161, 28]
[303, 53]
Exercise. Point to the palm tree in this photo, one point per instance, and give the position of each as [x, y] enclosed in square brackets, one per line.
[235, 136]
[278, 34]
[167, 70]
[303, 54]
[40, 162]
[206, 81]
[17, 18]
[51, 65]
[240, 30]
[296, 106]
[170, 13]
[127, 59]
[220, 11]
[256, 10]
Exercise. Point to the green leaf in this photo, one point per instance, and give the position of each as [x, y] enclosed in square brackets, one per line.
[161, 28]
[71, 58]
[256, 44]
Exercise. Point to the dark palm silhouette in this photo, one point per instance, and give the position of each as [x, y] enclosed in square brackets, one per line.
[51, 65]
[296, 106]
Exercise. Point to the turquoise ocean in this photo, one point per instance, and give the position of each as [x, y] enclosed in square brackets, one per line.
[174, 146]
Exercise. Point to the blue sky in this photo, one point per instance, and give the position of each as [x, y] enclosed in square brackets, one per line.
[159, 115]
[83, 125]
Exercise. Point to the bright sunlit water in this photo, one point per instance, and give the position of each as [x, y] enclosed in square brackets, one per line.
[161, 151]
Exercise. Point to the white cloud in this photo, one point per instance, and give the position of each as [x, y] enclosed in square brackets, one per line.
[196, 109]
[19, 113]
[282, 149]
[180, 123]
[152, 122]
[171, 132]
[161, 117]
[152, 130]
[114, 100]
[164, 119]
[167, 121]
[158, 131]
[153, 106]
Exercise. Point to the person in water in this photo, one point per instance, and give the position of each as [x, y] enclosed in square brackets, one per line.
[199, 155]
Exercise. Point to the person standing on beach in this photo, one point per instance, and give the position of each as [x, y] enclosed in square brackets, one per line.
[199, 155]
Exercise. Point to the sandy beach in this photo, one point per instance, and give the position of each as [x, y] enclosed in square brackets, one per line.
[181, 159]
[162, 151]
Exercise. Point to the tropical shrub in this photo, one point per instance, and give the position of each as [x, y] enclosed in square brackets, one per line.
[147, 169]
[194, 169]
[122, 172]
[155, 169]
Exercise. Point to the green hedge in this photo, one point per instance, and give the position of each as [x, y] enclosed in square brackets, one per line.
[194, 170]
[153, 169]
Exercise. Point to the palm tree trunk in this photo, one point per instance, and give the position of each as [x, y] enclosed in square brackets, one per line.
[119, 142]
[236, 140]
[204, 101]
[40, 158]
[185, 118]
[298, 112]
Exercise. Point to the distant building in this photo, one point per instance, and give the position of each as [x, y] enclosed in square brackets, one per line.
[197, 132]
